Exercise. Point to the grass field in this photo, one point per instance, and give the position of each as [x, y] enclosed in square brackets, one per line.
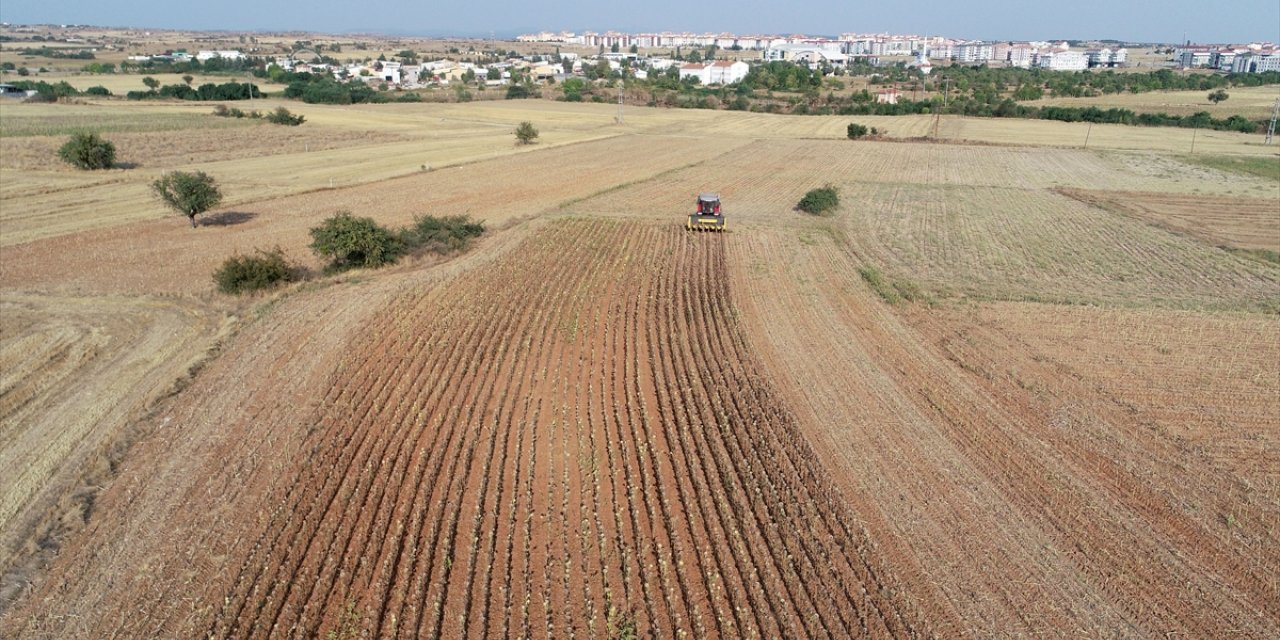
[1254, 103]
[1011, 387]
[1263, 167]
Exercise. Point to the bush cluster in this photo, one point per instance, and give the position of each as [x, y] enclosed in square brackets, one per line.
[444, 234]
[208, 91]
[88, 151]
[263, 270]
[348, 241]
[819, 201]
[223, 111]
[282, 116]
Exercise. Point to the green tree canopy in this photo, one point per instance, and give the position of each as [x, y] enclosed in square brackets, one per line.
[188, 193]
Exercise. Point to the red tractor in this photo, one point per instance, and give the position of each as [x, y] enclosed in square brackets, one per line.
[707, 215]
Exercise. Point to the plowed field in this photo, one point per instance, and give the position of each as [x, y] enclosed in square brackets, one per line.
[572, 441]
[594, 424]
[1031, 469]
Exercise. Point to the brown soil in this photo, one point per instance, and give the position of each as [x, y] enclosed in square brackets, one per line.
[1024, 481]
[569, 440]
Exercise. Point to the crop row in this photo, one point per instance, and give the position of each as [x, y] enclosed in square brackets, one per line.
[573, 442]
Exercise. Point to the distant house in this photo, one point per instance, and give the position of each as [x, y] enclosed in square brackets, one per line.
[693, 70]
[888, 96]
[717, 72]
[10, 91]
[545, 71]
[203, 56]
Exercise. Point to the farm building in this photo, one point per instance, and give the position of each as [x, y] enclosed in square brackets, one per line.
[718, 72]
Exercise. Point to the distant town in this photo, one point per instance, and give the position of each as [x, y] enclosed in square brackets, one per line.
[1254, 57]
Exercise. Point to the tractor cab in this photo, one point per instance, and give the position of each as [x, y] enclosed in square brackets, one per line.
[707, 214]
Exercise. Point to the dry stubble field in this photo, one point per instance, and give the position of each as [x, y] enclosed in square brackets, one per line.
[595, 424]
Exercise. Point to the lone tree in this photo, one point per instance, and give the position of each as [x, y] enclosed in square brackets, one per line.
[88, 151]
[151, 83]
[190, 194]
[1218, 96]
[526, 133]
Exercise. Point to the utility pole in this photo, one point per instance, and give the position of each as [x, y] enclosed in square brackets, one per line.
[1193, 141]
[621, 96]
[1271, 128]
[937, 117]
[1086, 134]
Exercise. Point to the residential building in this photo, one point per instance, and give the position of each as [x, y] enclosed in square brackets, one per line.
[1195, 57]
[1223, 59]
[1106, 57]
[1257, 62]
[717, 72]
[973, 52]
[1021, 55]
[225, 55]
[813, 55]
[1063, 61]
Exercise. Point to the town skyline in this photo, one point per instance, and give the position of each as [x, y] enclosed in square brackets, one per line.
[994, 20]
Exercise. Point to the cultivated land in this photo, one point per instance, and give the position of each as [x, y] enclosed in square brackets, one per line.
[595, 424]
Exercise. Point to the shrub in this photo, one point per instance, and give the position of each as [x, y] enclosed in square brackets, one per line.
[526, 133]
[88, 151]
[282, 116]
[188, 193]
[227, 112]
[444, 234]
[819, 201]
[348, 242]
[517, 91]
[263, 270]
[98, 90]
[856, 130]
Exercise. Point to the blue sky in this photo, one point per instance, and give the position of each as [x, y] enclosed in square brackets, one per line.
[1141, 20]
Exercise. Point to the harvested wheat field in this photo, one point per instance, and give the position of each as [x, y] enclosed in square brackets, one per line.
[1009, 389]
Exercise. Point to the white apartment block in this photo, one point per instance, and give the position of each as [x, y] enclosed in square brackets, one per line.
[973, 52]
[718, 72]
[1196, 57]
[1063, 61]
[1256, 62]
[225, 55]
[1106, 57]
[1022, 56]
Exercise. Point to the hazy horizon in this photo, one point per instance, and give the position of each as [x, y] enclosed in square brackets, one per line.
[1169, 22]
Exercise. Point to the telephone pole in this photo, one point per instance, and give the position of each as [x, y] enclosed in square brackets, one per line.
[937, 117]
[1271, 128]
[621, 96]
